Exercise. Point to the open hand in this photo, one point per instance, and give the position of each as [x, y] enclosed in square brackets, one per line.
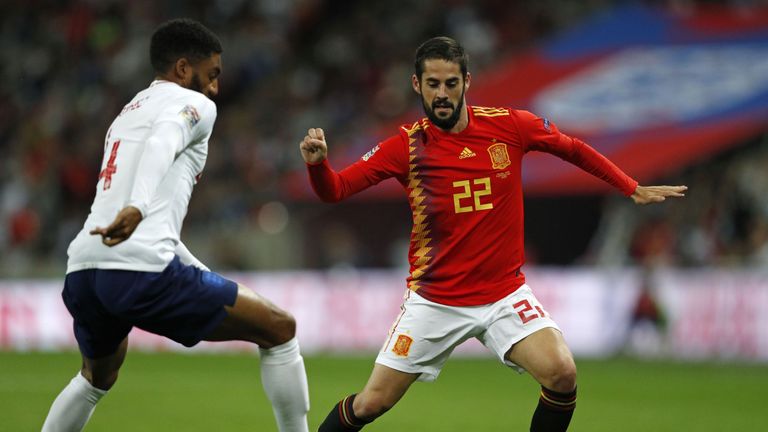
[654, 194]
[313, 147]
[122, 227]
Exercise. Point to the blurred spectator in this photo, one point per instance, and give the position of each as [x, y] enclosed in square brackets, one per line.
[646, 334]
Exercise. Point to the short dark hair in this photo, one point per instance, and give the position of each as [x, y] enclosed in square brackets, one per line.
[181, 38]
[443, 48]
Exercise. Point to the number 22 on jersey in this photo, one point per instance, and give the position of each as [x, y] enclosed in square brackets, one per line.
[460, 202]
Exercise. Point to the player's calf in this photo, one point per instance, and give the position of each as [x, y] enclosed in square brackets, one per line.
[554, 411]
[73, 407]
[101, 382]
[343, 417]
[557, 399]
[357, 410]
[285, 383]
[371, 405]
[102, 372]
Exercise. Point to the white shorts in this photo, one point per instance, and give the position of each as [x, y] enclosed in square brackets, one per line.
[425, 333]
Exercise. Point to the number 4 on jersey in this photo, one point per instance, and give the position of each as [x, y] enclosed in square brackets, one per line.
[111, 167]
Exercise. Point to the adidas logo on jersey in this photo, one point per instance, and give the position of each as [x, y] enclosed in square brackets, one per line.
[466, 153]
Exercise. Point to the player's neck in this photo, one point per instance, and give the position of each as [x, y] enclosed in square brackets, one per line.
[167, 79]
[463, 121]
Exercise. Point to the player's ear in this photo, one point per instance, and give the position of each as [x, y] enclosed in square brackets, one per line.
[415, 83]
[182, 69]
[467, 81]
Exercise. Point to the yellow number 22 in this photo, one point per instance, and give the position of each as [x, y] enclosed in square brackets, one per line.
[467, 192]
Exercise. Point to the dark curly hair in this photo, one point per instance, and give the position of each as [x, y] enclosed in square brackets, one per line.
[442, 48]
[181, 38]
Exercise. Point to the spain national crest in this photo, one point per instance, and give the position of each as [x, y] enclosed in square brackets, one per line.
[499, 156]
[402, 345]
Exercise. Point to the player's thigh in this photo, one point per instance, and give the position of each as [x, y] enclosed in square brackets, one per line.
[545, 355]
[98, 332]
[183, 303]
[425, 334]
[102, 372]
[256, 319]
[512, 320]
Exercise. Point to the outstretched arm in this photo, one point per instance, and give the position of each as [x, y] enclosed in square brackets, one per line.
[387, 159]
[654, 194]
[541, 135]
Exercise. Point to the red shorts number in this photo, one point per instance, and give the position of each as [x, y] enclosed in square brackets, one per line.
[523, 307]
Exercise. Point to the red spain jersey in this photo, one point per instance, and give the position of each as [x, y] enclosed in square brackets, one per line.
[465, 193]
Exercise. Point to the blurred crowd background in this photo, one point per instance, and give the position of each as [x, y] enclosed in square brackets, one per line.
[68, 67]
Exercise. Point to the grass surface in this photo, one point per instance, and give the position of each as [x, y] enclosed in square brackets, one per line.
[214, 392]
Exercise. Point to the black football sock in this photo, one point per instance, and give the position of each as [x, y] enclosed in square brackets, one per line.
[342, 418]
[554, 412]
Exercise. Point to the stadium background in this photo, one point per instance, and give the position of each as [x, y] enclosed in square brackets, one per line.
[665, 306]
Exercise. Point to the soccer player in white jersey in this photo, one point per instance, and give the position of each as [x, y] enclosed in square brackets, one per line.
[128, 267]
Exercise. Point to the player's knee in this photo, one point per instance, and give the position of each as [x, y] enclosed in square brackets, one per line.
[106, 382]
[561, 377]
[102, 381]
[284, 328]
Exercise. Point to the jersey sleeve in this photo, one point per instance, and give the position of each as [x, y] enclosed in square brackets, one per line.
[539, 134]
[194, 113]
[178, 125]
[387, 159]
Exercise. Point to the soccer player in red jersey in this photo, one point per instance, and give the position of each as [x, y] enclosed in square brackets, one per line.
[460, 167]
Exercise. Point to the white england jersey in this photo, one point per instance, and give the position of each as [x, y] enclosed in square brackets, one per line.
[162, 194]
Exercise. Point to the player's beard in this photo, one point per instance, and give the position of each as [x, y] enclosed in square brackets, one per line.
[444, 123]
[196, 85]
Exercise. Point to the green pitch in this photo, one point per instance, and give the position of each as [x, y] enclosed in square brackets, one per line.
[175, 392]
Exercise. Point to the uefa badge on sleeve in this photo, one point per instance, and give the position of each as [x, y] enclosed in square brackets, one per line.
[547, 124]
[190, 115]
[370, 153]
